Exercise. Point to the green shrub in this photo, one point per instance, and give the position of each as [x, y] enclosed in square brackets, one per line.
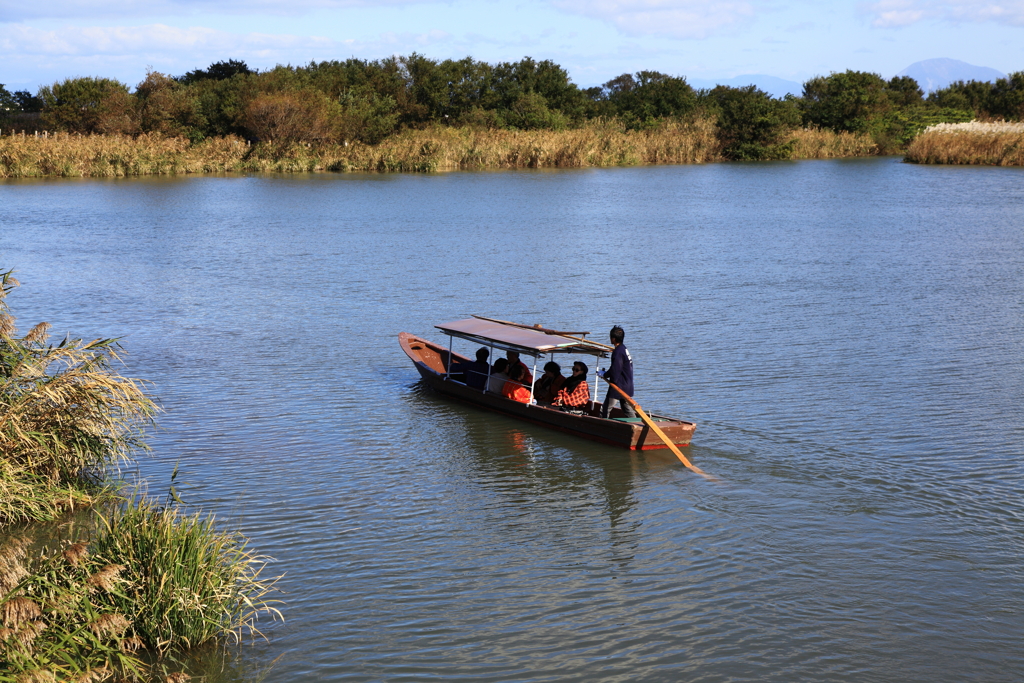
[165, 106]
[642, 99]
[899, 127]
[88, 105]
[852, 101]
[751, 124]
[1003, 99]
[367, 116]
[218, 71]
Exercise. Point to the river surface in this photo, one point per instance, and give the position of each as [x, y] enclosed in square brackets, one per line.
[848, 336]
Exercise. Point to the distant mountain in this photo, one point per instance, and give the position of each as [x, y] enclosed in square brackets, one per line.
[935, 74]
[776, 87]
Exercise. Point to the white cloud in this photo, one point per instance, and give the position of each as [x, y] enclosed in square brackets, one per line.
[20, 10]
[899, 13]
[146, 40]
[672, 18]
[35, 56]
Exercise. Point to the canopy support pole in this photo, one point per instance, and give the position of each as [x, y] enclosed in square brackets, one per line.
[448, 369]
[534, 380]
[490, 364]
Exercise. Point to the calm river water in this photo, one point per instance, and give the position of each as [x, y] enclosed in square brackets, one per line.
[848, 335]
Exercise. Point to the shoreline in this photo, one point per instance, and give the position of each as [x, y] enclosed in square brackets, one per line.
[440, 149]
[427, 150]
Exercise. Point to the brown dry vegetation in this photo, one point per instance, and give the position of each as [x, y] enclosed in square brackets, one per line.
[993, 144]
[822, 143]
[437, 148]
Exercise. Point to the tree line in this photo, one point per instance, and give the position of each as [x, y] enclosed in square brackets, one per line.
[366, 101]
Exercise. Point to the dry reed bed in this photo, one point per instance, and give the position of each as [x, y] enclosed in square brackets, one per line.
[817, 143]
[434, 149]
[975, 143]
[67, 155]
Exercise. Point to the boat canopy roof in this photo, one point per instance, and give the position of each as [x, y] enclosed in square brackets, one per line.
[526, 340]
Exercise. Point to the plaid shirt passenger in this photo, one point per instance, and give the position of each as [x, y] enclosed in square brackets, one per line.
[578, 398]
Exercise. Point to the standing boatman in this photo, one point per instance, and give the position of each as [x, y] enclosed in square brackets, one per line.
[620, 374]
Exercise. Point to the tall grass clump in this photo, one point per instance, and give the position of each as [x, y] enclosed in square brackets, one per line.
[993, 143]
[56, 619]
[67, 418]
[598, 143]
[433, 148]
[187, 583]
[70, 155]
[824, 143]
[149, 578]
[153, 582]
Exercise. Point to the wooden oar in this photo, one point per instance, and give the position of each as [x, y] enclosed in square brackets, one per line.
[656, 429]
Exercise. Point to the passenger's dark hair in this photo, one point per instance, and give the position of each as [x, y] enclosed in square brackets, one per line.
[574, 379]
[482, 353]
[552, 366]
[618, 334]
[501, 365]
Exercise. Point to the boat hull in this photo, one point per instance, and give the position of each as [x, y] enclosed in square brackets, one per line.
[432, 361]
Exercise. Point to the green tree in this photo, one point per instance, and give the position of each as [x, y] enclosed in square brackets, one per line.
[751, 124]
[853, 101]
[27, 101]
[903, 91]
[542, 88]
[9, 106]
[969, 96]
[1006, 98]
[164, 105]
[641, 99]
[385, 79]
[530, 111]
[7, 101]
[450, 90]
[222, 103]
[218, 71]
[88, 105]
[367, 116]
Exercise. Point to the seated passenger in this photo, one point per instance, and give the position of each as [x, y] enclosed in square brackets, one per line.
[473, 373]
[546, 388]
[575, 393]
[513, 359]
[514, 387]
[498, 376]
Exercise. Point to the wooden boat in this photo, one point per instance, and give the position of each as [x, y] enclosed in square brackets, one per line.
[433, 360]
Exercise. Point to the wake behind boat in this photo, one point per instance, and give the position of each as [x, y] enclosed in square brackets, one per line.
[433, 362]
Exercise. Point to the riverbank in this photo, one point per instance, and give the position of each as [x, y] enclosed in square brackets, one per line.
[436, 148]
[974, 143]
[143, 575]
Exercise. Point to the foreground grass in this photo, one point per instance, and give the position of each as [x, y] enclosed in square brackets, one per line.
[154, 581]
[434, 149]
[991, 144]
[150, 578]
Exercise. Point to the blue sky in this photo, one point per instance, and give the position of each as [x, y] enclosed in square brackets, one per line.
[41, 42]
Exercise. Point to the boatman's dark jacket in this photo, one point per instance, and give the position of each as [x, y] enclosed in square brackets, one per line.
[621, 371]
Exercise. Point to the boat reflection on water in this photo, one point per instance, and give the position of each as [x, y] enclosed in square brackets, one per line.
[552, 481]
